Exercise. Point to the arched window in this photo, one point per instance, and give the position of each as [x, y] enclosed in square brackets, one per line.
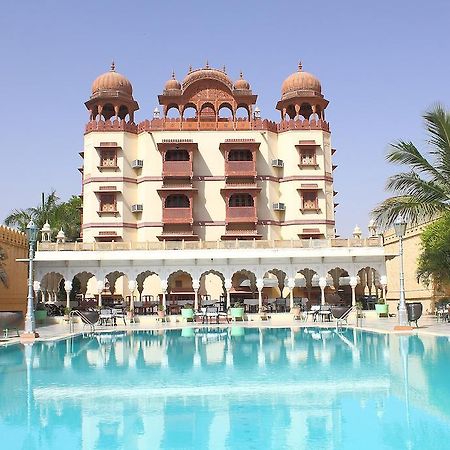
[177, 201]
[176, 155]
[173, 112]
[225, 111]
[242, 112]
[237, 200]
[240, 155]
[189, 111]
[108, 111]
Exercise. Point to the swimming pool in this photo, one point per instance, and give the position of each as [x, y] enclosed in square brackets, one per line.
[235, 388]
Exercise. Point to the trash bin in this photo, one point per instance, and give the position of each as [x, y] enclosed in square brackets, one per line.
[414, 311]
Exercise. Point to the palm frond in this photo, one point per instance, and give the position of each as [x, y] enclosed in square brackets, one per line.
[409, 207]
[406, 153]
[410, 183]
[438, 126]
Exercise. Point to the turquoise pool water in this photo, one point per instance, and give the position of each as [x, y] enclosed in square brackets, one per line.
[237, 388]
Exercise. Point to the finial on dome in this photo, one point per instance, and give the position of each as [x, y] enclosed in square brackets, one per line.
[113, 66]
[224, 69]
[173, 74]
[241, 75]
[190, 68]
[300, 66]
[207, 65]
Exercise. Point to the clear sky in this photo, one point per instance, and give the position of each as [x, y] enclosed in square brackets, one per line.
[381, 64]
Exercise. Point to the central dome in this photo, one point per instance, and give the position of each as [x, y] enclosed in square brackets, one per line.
[207, 73]
[300, 81]
[112, 81]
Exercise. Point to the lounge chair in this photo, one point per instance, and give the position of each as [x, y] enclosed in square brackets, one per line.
[341, 313]
[119, 313]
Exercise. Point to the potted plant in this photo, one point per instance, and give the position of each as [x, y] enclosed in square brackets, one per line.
[40, 312]
[187, 312]
[237, 311]
[66, 313]
[382, 308]
[263, 313]
[296, 312]
[160, 310]
[359, 310]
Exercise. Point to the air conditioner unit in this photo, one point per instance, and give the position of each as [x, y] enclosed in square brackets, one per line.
[137, 164]
[277, 163]
[137, 208]
[279, 206]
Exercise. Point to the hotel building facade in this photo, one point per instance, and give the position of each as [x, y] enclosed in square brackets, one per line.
[207, 188]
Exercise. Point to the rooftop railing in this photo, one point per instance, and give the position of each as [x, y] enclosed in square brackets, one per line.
[212, 245]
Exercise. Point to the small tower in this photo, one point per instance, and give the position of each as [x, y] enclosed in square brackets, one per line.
[46, 233]
[112, 97]
[357, 233]
[60, 237]
[301, 95]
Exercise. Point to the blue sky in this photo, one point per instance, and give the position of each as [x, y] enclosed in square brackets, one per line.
[381, 64]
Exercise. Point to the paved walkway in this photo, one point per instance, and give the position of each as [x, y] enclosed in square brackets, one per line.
[427, 325]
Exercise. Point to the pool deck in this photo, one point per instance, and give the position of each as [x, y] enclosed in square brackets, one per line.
[427, 326]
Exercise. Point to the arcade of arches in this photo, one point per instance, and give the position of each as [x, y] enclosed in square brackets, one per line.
[336, 285]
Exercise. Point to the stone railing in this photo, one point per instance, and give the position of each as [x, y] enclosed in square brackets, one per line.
[212, 245]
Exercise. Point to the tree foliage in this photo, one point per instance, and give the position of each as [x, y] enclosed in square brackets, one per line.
[422, 192]
[58, 214]
[434, 260]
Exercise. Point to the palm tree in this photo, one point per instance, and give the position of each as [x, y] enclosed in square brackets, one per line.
[423, 192]
[3, 274]
[65, 215]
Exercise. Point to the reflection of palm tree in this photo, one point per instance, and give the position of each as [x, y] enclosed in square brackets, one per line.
[3, 274]
[423, 192]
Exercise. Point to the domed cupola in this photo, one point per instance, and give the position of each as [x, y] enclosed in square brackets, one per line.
[112, 97]
[241, 84]
[301, 95]
[173, 84]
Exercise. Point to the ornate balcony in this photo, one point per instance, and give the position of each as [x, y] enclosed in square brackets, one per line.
[240, 169]
[241, 214]
[177, 169]
[177, 216]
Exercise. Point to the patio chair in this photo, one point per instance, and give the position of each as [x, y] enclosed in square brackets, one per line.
[106, 316]
[313, 312]
[211, 313]
[325, 313]
[119, 313]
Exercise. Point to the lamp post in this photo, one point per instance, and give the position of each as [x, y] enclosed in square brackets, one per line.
[400, 230]
[30, 332]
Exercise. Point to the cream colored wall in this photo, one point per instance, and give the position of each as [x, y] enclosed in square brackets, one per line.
[414, 290]
[13, 297]
[209, 204]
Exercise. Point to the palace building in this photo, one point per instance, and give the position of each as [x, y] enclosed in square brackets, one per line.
[207, 199]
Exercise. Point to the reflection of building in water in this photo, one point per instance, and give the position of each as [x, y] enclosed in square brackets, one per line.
[121, 389]
[248, 204]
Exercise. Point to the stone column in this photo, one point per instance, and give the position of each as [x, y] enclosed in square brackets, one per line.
[100, 286]
[196, 286]
[353, 284]
[322, 285]
[68, 288]
[259, 286]
[291, 286]
[36, 289]
[164, 286]
[383, 282]
[132, 287]
[228, 286]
